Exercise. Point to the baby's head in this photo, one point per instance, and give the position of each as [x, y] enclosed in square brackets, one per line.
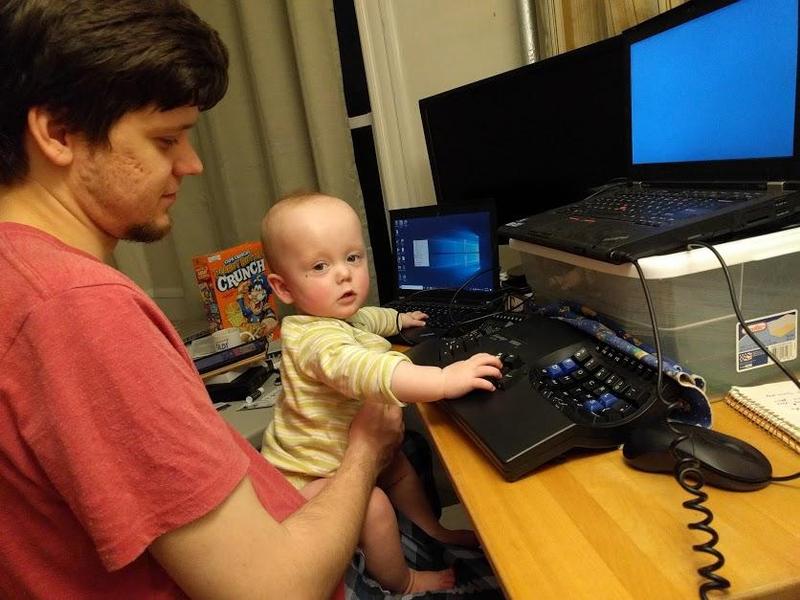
[315, 250]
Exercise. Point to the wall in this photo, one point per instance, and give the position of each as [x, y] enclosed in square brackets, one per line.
[417, 48]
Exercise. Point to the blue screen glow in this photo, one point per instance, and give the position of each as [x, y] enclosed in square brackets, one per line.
[719, 87]
[444, 251]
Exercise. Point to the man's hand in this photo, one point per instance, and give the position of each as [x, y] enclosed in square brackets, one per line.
[467, 375]
[412, 319]
[376, 431]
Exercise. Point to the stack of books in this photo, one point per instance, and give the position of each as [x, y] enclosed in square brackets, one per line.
[775, 407]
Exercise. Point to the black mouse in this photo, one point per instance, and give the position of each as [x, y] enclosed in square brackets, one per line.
[725, 461]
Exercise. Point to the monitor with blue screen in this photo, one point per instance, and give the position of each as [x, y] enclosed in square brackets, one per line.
[445, 248]
[725, 82]
[713, 136]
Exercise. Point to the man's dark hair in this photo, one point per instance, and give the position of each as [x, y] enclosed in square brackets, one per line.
[89, 62]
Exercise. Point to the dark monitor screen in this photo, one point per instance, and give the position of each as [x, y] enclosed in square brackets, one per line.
[439, 249]
[534, 138]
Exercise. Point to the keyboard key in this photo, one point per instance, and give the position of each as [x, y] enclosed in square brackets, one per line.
[590, 384]
[632, 393]
[592, 364]
[581, 355]
[566, 380]
[608, 399]
[581, 374]
[593, 406]
[568, 365]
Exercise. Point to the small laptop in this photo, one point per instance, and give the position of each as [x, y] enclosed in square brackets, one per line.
[713, 136]
[445, 264]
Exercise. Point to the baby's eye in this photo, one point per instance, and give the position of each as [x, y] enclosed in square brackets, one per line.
[353, 258]
[320, 267]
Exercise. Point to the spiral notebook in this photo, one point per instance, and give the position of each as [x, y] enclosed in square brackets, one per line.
[774, 407]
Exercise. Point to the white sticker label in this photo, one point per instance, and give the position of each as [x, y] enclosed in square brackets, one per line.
[777, 332]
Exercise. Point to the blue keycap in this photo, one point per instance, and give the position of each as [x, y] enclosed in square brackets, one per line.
[568, 365]
[608, 399]
[593, 406]
[554, 371]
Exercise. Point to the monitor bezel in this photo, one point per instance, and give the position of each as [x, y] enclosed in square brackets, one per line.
[511, 207]
[777, 169]
[436, 210]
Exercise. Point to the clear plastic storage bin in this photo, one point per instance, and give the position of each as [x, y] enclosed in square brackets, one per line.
[697, 323]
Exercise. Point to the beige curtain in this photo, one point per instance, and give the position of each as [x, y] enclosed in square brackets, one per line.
[563, 25]
[281, 127]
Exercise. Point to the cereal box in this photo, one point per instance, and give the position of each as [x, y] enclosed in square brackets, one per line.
[235, 290]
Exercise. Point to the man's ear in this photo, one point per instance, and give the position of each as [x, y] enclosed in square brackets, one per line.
[50, 136]
[280, 288]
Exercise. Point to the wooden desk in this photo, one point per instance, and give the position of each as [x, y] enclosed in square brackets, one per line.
[591, 527]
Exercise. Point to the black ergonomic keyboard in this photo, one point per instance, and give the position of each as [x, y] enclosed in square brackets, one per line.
[561, 389]
[656, 207]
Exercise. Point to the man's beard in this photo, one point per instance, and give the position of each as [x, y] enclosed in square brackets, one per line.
[146, 232]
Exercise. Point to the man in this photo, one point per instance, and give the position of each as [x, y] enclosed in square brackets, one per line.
[117, 476]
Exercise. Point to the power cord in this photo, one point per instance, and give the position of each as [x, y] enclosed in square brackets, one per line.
[687, 469]
[418, 293]
[454, 324]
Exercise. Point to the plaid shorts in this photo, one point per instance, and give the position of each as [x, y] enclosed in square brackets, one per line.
[474, 577]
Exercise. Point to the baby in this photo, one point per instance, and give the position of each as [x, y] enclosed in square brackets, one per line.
[334, 359]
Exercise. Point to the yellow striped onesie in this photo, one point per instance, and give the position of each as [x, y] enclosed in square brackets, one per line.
[329, 367]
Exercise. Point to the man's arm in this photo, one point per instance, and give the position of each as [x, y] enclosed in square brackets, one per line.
[239, 551]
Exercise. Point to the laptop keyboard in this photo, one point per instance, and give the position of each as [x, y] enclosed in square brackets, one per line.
[442, 315]
[656, 207]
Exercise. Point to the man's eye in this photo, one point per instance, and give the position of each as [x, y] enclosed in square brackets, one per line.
[167, 142]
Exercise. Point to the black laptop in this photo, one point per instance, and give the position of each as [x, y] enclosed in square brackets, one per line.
[446, 265]
[713, 136]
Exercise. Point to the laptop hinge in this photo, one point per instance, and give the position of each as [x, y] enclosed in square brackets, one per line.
[783, 185]
[707, 185]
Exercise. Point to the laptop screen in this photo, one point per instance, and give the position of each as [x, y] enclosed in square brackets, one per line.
[721, 86]
[439, 247]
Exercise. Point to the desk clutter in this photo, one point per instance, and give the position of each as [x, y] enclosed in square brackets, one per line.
[246, 372]
[244, 385]
[774, 407]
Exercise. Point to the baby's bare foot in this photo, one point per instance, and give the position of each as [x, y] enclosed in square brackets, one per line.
[458, 537]
[430, 581]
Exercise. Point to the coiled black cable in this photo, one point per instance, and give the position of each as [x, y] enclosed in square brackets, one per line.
[687, 469]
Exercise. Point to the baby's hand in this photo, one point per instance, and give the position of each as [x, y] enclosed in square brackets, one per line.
[412, 319]
[467, 375]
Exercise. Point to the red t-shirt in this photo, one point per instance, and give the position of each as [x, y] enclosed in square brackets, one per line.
[107, 436]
